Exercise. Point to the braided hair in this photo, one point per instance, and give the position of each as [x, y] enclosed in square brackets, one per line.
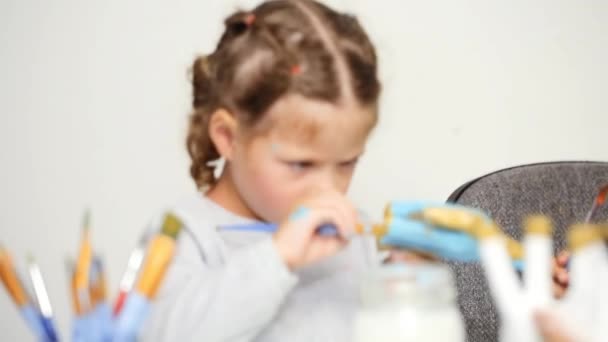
[281, 47]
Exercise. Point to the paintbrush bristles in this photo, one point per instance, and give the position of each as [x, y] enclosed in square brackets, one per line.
[30, 258]
[86, 219]
[171, 226]
[10, 279]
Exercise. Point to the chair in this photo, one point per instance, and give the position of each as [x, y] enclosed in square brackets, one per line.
[562, 190]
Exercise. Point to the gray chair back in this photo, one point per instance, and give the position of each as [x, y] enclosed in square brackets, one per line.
[562, 190]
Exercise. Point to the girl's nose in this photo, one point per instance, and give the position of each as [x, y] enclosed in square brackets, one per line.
[328, 181]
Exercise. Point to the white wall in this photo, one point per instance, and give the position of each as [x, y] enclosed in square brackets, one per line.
[94, 96]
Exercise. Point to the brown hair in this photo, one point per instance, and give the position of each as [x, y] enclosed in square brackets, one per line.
[281, 47]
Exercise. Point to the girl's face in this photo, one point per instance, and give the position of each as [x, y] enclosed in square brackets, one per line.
[306, 146]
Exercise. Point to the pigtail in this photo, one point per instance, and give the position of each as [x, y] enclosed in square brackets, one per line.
[201, 149]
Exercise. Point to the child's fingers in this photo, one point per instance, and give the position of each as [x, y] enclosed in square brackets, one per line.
[561, 280]
[324, 246]
[558, 291]
[320, 216]
[562, 258]
[297, 240]
[550, 328]
[349, 215]
[561, 276]
[331, 215]
[342, 209]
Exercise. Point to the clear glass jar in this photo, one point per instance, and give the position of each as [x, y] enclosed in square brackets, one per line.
[409, 303]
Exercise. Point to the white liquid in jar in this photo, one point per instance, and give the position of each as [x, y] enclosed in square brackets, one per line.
[414, 303]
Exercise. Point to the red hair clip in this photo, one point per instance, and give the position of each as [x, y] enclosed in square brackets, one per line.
[296, 70]
[249, 19]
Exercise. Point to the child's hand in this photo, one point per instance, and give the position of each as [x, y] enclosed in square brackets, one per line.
[561, 277]
[551, 328]
[297, 241]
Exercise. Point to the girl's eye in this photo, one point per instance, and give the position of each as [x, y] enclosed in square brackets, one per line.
[349, 163]
[300, 165]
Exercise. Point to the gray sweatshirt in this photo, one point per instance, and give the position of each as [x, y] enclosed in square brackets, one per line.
[233, 286]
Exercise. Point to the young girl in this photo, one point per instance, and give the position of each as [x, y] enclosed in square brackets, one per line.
[288, 100]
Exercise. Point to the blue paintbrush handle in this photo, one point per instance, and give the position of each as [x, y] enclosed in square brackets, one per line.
[131, 318]
[31, 317]
[49, 329]
[327, 229]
